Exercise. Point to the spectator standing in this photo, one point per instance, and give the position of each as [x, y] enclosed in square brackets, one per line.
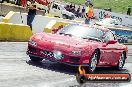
[87, 1]
[88, 13]
[70, 5]
[74, 8]
[67, 7]
[78, 12]
[83, 12]
[49, 5]
[106, 16]
[70, 8]
[31, 13]
[129, 10]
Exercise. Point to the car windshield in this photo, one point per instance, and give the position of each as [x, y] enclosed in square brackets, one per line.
[82, 32]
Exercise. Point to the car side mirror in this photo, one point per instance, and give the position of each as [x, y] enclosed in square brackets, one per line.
[111, 42]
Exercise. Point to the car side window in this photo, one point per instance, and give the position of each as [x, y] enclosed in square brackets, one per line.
[58, 8]
[55, 6]
[109, 36]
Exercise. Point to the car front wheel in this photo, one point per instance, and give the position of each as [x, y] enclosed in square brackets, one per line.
[35, 59]
[121, 62]
[93, 62]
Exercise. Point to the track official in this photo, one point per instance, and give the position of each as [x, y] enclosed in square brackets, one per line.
[88, 13]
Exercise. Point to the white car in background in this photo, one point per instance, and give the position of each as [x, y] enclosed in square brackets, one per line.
[13, 1]
[10, 1]
[109, 22]
[59, 10]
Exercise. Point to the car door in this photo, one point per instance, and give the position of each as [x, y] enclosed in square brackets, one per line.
[108, 50]
[117, 49]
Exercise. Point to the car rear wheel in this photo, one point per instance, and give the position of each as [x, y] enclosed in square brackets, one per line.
[93, 62]
[35, 59]
[121, 62]
[64, 16]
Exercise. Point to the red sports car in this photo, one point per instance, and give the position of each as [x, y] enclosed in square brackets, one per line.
[79, 45]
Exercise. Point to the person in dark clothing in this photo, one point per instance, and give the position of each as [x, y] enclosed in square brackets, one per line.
[31, 13]
[74, 6]
[129, 10]
[67, 7]
[71, 8]
[78, 12]
[83, 12]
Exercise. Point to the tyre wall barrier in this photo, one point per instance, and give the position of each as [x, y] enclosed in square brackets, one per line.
[14, 32]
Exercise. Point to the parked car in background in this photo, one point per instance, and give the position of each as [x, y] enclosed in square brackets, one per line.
[109, 22]
[60, 11]
[9, 1]
[13, 1]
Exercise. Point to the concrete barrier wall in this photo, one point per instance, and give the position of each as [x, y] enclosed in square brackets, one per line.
[39, 21]
[14, 32]
[38, 24]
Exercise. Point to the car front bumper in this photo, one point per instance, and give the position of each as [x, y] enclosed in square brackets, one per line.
[69, 60]
[58, 61]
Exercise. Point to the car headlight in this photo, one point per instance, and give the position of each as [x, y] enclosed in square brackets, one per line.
[33, 43]
[58, 55]
[78, 53]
